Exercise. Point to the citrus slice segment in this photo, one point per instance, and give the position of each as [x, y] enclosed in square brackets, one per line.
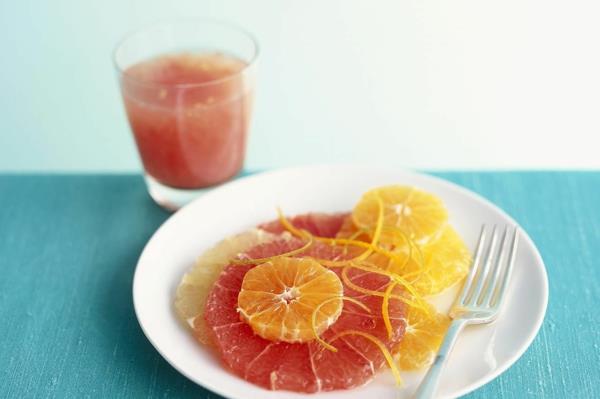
[416, 213]
[319, 224]
[195, 285]
[380, 346]
[446, 261]
[277, 299]
[422, 338]
[243, 259]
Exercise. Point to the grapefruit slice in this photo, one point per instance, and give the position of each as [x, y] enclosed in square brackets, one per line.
[351, 231]
[193, 289]
[318, 224]
[304, 367]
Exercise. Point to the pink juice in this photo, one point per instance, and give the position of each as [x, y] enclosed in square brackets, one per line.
[189, 114]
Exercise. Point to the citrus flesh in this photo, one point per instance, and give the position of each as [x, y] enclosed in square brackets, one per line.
[276, 335]
[317, 223]
[190, 298]
[350, 230]
[277, 299]
[446, 261]
[422, 339]
[417, 214]
[303, 366]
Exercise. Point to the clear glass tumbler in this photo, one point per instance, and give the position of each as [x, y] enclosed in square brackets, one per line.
[188, 88]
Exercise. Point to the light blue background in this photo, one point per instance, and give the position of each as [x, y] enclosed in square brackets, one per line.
[419, 83]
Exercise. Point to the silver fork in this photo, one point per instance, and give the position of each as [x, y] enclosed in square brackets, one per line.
[481, 297]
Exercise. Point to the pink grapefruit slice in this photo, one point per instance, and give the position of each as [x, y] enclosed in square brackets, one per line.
[318, 224]
[304, 367]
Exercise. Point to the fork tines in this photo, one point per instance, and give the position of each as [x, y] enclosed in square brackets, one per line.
[492, 267]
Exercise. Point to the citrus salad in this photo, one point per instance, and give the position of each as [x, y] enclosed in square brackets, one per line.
[321, 302]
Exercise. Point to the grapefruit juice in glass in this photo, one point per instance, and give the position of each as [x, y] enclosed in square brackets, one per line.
[188, 90]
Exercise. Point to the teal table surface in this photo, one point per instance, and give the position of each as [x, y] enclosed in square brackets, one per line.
[69, 245]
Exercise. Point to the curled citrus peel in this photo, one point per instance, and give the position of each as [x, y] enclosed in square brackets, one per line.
[418, 213]
[332, 241]
[386, 296]
[385, 308]
[408, 242]
[386, 353]
[318, 309]
[421, 260]
[352, 237]
[290, 227]
[379, 224]
[368, 246]
[369, 250]
[359, 261]
[419, 301]
[257, 261]
[417, 272]
[356, 234]
[407, 262]
[348, 282]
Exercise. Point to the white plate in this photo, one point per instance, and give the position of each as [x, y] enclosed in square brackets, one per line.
[481, 353]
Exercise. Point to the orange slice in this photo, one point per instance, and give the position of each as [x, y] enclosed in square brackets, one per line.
[422, 338]
[416, 213]
[278, 298]
[195, 285]
[446, 261]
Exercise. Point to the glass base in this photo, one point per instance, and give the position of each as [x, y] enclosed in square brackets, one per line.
[171, 198]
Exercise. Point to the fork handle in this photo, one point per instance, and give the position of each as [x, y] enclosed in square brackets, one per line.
[430, 381]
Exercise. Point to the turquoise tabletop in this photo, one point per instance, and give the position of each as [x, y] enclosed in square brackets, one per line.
[69, 245]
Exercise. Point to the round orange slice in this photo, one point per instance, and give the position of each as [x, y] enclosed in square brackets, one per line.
[417, 214]
[278, 299]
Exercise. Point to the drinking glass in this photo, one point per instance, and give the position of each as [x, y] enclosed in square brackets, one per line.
[188, 88]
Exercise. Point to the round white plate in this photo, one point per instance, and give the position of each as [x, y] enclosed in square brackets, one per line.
[481, 353]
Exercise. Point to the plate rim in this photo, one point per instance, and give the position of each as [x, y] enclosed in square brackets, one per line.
[523, 235]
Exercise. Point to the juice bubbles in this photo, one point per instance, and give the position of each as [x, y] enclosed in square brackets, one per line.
[189, 113]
